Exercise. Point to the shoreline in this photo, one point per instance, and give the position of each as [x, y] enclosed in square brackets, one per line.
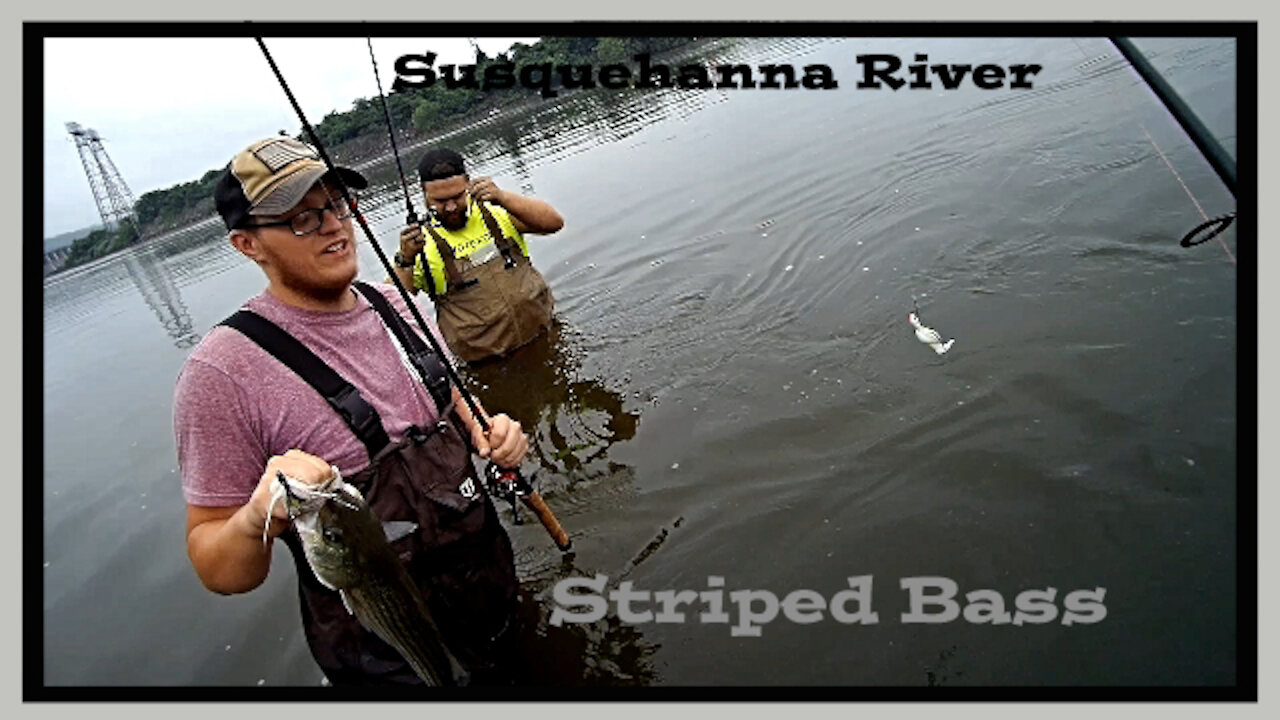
[361, 161]
[357, 164]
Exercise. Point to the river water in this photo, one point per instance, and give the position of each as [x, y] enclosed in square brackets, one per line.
[734, 390]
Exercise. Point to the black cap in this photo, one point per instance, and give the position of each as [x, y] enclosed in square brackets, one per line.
[440, 163]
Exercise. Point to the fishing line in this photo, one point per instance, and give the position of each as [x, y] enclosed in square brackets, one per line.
[412, 217]
[1222, 221]
[382, 256]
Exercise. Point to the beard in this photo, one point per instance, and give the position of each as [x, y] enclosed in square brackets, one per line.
[324, 286]
[324, 289]
[453, 222]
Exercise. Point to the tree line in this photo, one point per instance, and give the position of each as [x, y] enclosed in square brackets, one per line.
[100, 242]
[421, 111]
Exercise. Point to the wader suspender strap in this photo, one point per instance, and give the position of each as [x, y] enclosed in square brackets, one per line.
[342, 396]
[504, 245]
[430, 366]
[446, 251]
[428, 282]
[453, 279]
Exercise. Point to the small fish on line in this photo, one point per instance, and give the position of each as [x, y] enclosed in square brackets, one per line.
[929, 336]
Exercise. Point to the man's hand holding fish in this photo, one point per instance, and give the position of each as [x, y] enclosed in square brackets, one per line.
[299, 467]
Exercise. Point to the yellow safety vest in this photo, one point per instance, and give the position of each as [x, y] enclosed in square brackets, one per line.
[472, 242]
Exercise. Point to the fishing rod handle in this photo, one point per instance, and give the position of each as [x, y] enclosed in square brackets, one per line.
[539, 507]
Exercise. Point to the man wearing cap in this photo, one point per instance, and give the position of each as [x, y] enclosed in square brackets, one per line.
[489, 298]
[314, 374]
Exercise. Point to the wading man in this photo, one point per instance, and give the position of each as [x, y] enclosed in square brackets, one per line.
[319, 370]
[489, 298]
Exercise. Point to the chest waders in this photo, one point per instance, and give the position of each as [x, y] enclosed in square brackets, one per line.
[459, 556]
[492, 308]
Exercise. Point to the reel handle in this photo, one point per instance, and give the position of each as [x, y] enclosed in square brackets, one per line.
[509, 484]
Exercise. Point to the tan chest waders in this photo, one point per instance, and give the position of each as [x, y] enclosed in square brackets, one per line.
[491, 308]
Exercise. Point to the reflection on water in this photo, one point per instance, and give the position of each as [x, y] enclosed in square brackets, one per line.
[157, 269]
[572, 420]
[604, 652]
[574, 125]
[162, 296]
[506, 140]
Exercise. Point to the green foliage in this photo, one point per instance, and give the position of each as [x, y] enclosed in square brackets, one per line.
[611, 51]
[101, 242]
[426, 115]
[179, 201]
[401, 109]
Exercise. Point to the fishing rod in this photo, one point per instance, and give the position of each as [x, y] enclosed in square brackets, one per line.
[412, 217]
[515, 483]
[1222, 162]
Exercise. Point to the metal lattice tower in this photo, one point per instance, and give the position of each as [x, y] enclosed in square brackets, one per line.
[114, 199]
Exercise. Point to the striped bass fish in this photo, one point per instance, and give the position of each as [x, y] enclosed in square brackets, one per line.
[347, 548]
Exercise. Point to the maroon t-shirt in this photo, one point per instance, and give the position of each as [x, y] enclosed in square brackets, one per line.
[235, 405]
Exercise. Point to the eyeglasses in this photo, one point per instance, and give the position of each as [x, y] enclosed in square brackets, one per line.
[308, 221]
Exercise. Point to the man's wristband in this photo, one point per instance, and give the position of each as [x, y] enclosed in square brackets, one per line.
[401, 263]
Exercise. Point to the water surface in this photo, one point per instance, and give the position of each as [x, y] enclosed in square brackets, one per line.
[734, 390]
